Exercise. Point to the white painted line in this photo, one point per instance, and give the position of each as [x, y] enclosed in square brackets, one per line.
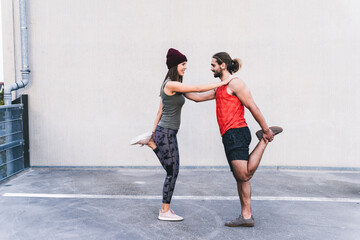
[139, 182]
[208, 198]
[43, 195]
[306, 199]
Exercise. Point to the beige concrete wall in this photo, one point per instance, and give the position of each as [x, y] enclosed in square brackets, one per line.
[97, 67]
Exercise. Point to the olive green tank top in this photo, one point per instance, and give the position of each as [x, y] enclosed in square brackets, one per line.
[171, 109]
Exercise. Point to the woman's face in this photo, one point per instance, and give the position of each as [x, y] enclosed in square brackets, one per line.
[181, 68]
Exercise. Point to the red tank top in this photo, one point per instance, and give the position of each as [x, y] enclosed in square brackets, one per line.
[229, 111]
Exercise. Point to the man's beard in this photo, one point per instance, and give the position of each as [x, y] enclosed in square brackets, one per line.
[218, 74]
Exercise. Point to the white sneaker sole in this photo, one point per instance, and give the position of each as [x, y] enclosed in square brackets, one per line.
[170, 219]
[138, 139]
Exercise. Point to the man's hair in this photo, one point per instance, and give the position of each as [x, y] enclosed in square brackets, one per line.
[232, 65]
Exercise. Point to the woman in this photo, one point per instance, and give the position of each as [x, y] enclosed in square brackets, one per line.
[163, 140]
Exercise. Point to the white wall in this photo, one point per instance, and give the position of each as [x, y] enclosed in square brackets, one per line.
[97, 67]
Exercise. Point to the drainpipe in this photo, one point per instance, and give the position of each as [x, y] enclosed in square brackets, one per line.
[25, 70]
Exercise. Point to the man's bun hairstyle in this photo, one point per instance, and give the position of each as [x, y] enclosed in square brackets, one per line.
[235, 65]
[232, 65]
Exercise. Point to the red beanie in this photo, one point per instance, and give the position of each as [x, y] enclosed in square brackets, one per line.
[174, 57]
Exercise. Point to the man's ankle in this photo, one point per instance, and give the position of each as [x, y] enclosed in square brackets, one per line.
[246, 215]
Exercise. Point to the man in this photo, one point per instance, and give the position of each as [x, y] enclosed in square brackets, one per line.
[230, 102]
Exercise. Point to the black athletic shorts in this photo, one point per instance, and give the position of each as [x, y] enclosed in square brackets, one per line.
[236, 143]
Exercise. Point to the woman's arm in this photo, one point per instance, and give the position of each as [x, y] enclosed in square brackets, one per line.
[201, 97]
[173, 87]
[158, 116]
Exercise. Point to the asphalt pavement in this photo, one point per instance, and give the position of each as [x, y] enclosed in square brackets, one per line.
[123, 203]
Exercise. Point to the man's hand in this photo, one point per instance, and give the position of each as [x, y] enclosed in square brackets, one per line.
[268, 135]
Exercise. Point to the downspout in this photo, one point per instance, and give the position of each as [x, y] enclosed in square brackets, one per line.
[25, 70]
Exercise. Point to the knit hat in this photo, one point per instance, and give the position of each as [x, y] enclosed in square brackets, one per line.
[174, 57]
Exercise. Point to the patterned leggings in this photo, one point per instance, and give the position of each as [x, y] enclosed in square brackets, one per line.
[168, 153]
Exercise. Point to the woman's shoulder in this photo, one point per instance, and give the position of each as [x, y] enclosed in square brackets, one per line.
[171, 82]
[166, 81]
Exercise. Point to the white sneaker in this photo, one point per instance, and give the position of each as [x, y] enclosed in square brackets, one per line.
[169, 216]
[142, 139]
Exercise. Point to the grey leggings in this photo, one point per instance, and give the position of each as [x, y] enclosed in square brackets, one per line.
[168, 153]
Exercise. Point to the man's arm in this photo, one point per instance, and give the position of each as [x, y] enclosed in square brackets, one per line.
[241, 91]
[201, 97]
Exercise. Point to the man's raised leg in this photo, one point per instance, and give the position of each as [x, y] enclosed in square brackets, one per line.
[244, 170]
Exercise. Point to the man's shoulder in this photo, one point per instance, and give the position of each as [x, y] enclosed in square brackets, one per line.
[236, 83]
